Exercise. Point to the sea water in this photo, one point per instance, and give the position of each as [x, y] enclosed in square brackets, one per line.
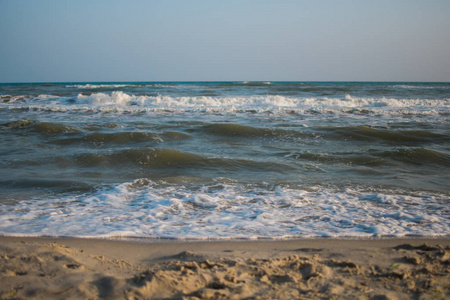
[221, 160]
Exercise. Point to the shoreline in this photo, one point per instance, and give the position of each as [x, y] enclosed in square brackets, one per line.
[55, 268]
[150, 248]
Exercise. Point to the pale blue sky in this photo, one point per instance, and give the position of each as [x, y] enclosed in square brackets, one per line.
[221, 40]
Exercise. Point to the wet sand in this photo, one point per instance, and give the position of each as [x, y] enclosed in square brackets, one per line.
[70, 268]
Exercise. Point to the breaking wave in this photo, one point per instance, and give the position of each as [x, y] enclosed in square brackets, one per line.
[119, 101]
[144, 208]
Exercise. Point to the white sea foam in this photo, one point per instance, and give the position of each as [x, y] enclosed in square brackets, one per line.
[116, 86]
[9, 98]
[143, 208]
[45, 97]
[121, 102]
[115, 98]
[265, 102]
[406, 86]
[96, 86]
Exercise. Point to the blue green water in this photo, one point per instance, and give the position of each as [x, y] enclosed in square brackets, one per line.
[225, 159]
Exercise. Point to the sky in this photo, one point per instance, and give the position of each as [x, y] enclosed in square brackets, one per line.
[224, 40]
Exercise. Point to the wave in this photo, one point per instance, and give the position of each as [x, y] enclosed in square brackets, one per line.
[98, 86]
[112, 138]
[55, 184]
[47, 128]
[367, 133]
[9, 98]
[406, 86]
[121, 98]
[415, 156]
[254, 83]
[19, 123]
[163, 158]
[237, 130]
[175, 135]
[225, 209]
[120, 102]
[54, 129]
[121, 85]
[117, 97]
[342, 158]
[418, 156]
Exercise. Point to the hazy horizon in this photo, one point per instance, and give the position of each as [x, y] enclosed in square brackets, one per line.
[216, 81]
[178, 41]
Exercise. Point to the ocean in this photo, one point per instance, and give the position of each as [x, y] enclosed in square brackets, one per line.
[225, 160]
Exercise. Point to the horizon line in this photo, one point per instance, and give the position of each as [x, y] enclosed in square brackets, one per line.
[217, 81]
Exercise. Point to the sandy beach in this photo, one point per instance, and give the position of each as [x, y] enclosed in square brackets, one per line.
[69, 268]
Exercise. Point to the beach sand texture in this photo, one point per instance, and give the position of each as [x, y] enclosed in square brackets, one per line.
[67, 268]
